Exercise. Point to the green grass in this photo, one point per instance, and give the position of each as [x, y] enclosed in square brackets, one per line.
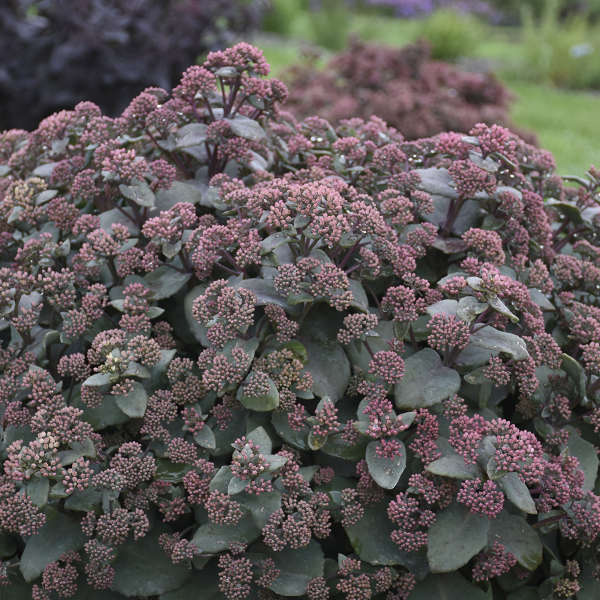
[566, 123]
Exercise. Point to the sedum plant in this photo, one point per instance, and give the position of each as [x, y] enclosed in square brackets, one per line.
[245, 357]
[413, 93]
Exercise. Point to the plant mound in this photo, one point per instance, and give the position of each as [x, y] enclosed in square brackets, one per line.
[56, 53]
[251, 358]
[418, 96]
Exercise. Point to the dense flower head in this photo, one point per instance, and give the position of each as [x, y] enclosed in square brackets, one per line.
[493, 562]
[481, 497]
[228, 338]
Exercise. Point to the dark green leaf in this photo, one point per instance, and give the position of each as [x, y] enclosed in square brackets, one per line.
[261, 438]
[58, 535]
[360, 300]
[165, 281]
[590, 586]
[236, 485]
[171, 250]
[183, 191]
[541, 299]
[212, 538]
[385, 471]
[84, 501]
[205, 438]
[225, 437]
[436, 181]
[16, 590]
[135, 369]
[44, 170]
[517, 492]
[525, 593]
[170, 471]
[114, 215]
[445, 307]
[297, 568]
[201, 585]
[489, 341]
[134, 403]
[37, 489]
[587, 455]
[262, 506]
[452, 464]
[8, 545]
[501, 308]
[262, 403]
[275, 462]
[140, 193]
[265, 292]
[327, 361]
[357, 351]
[568, 209]
[297, 439]
[191, 134]
[450, 586]
[246, 128]
[576, 372]
[141, 569]
[160, 368]
[97, 380]
[379, 549]
[426, 381]
[336, 445]
[197, 329]
[221, 479]
[518, 537]
[456, 536]
[105, 415]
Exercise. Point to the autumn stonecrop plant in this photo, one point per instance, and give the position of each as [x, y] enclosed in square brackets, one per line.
[245, 357]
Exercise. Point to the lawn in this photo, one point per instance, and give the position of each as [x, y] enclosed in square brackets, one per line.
[567, 122]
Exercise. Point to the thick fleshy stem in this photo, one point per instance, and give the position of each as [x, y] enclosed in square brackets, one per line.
[453, 210]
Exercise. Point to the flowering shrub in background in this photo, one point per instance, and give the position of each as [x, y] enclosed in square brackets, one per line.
[58, 52]
[245, 357]
[412, 93]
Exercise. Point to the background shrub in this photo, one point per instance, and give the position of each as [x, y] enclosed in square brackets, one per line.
[59, 52]
[248, 357]
[407, 89]
[560, 52]
[451, 34]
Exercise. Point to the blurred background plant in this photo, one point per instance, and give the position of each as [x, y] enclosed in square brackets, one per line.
[452, 34]
[561, 51]
[56, 53]
[429, 96]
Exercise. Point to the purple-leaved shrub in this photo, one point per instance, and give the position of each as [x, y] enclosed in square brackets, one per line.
[245, 357]
[59, 52]
[418, 96]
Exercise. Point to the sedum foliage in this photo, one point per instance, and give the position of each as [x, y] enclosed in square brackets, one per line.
[244, 357]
